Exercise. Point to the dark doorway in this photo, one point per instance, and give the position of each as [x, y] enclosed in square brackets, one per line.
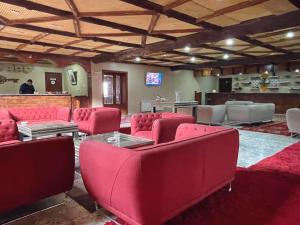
[53, 82]
[115, 90]
[225, 85]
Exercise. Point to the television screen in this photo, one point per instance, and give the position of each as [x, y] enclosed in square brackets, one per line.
[153, 79]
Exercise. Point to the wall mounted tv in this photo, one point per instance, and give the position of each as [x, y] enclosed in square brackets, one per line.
[154, 79]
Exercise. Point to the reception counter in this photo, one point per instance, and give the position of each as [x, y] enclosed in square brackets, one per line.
[8, 101]
[282, 101]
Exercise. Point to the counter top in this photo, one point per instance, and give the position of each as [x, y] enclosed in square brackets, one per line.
[35, 95]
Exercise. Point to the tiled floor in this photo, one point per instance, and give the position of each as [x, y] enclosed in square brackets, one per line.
[253, 148]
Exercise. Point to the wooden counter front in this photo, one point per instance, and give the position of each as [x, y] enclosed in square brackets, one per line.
[8, 101]
[282, 101]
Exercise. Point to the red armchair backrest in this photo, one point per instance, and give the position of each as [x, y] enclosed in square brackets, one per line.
[8, 130]
[84, 114]
[185, 131]
[39, 113]
[143, 121]
[34, 170]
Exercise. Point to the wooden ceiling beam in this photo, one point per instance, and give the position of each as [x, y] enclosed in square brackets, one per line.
[243, 61]
[109, 35]
[153, 22]
[144, 41]
[174, 4]
[101, 47]
[176, 31]
[73, 8]
[32, 41]
[44, 44]
[200, 56]
[117, 13]
[38, 20]
[58, 12]
[261, 25]
[232, 8]
[263, 45]
[146, 4]
[2, 27]
[166, 60]
[69, 34]
[224, 50]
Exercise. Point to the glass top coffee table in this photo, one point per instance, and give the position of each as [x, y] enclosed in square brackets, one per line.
[39, 129]
[116, 139]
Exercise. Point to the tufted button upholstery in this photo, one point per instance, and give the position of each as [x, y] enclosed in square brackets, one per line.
[40, 113]
[8, 130]
[160, 127]
[185, 131]
[97, 120]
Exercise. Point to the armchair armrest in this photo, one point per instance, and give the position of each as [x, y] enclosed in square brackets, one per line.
[106, 120]
[63, 113]
[5, 115]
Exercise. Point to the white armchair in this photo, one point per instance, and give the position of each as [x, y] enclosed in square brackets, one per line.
[293, 120]
[211, 114]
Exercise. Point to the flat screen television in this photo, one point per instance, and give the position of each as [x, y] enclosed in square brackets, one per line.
[153, 79]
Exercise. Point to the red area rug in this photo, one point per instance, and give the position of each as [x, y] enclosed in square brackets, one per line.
[272, 128]
[268, 193]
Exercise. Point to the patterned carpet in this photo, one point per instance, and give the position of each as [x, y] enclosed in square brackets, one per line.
[276, 127]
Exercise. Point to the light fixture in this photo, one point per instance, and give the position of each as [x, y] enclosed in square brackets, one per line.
[290, 34]
[137, 59]
[187, 48]
[297, 70]
[214, 91]
[193, 59]
[225, 56]
[164, 55]
[240, 73]
[266, 72]
[218, 75]
[229, 41]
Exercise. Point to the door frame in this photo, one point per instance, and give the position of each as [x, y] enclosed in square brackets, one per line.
[124, 74]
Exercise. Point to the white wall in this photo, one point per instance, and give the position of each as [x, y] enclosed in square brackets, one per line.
[137, 90]
[38, 76]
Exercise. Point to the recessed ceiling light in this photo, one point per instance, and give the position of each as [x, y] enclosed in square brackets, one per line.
[229, 41]
[240, 73]
[290, 34]
[187, 48]
[266, 72]
[193, 59]
[218, 75]
[137, 59]
[164, 55]
[297, 70]
[225, 56]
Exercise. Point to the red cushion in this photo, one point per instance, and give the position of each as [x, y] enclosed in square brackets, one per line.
[10, 142]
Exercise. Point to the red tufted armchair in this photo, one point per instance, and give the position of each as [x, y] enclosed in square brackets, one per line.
[160, 127]
[8, 132]
[97, 120]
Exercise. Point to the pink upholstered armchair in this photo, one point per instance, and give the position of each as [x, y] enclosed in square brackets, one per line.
[8, 132]
[97, 120]
[160, 127]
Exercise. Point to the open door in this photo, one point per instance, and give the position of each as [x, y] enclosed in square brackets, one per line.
[115, 90]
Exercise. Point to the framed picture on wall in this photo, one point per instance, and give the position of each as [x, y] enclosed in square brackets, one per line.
[72, 76]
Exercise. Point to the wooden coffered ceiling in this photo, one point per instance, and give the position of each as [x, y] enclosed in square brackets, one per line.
[156, 32]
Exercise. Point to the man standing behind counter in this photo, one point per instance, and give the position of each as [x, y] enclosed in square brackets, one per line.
[27, 88]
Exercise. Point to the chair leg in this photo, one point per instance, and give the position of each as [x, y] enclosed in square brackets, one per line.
[229, 187]
[96, 205]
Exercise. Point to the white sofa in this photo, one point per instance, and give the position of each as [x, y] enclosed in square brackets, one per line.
[293, 120]
[211, 114]
[242, 112]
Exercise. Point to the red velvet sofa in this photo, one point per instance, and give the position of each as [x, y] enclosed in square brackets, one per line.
[160, 127]
[8, 132]
[152, 184]
[97, 120]
[35, 114]
[34, 170]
